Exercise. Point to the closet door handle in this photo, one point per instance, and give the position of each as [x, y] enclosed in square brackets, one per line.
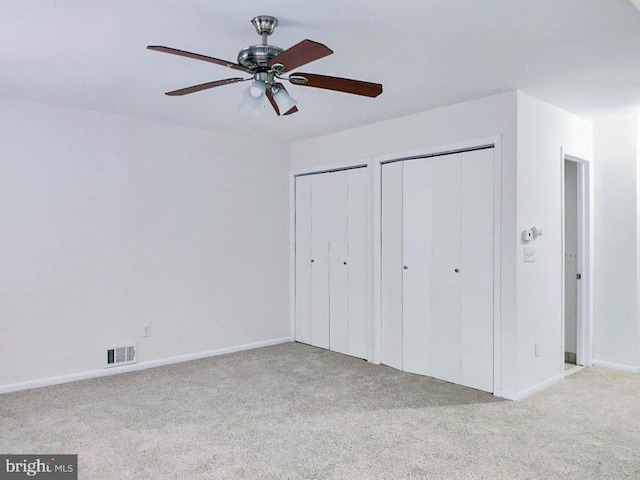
[405, 267]
[457, 270]
[344, 263]
[312, 260]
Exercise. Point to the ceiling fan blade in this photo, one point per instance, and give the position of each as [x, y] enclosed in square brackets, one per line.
[197, 56]
[275, 105]
[300, 54]
[204, 86]
[346, 85]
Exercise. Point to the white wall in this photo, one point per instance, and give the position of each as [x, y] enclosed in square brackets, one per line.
[110, 223]
[476, 119]
[616, 241]
[543, 130]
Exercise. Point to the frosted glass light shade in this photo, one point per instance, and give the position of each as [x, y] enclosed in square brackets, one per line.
[250, 104]
[257, 88]
[284, 101]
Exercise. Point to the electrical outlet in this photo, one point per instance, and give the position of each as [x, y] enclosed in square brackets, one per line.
[529, 254]
[147, 331]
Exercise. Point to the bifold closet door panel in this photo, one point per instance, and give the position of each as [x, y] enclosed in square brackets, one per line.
[359, 259]
[418, 207]
[445, 260]
[477, 269]
[392, 187]
[303, 259]
[338, 283]
[320, 232]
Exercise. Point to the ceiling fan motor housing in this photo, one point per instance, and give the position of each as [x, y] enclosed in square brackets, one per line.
[257, 56]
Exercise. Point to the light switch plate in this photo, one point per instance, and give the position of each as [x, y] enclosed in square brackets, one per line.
[529, 254]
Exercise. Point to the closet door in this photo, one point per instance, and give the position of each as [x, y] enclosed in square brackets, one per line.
[358, 261]
[437, 221]
[418, 213]
[431, 252]
[445, 260]
[477, 270]
[303, 259]
[392, 288]
[332, 262]
[337, 182]
[320, 231]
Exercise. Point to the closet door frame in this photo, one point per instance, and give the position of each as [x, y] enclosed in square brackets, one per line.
[334, 167]
[378, 161]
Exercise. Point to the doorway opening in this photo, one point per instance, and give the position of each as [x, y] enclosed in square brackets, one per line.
[576, 325]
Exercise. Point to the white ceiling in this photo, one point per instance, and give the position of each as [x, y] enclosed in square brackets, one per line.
[582, 55]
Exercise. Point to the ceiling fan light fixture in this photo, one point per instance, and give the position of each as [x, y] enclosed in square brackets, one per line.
[250, 104]
[283, 100]
[257, 89]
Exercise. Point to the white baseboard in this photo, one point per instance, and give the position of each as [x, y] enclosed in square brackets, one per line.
[45, 382]
[516, 396]
[616, 366]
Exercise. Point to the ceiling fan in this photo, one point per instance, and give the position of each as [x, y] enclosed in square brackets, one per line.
[266, 64]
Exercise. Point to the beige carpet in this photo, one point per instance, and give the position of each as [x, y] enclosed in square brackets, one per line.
[293, 411]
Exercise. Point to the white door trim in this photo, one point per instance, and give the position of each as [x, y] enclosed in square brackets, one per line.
[362, 163]
[378, 161]
[584, 260]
